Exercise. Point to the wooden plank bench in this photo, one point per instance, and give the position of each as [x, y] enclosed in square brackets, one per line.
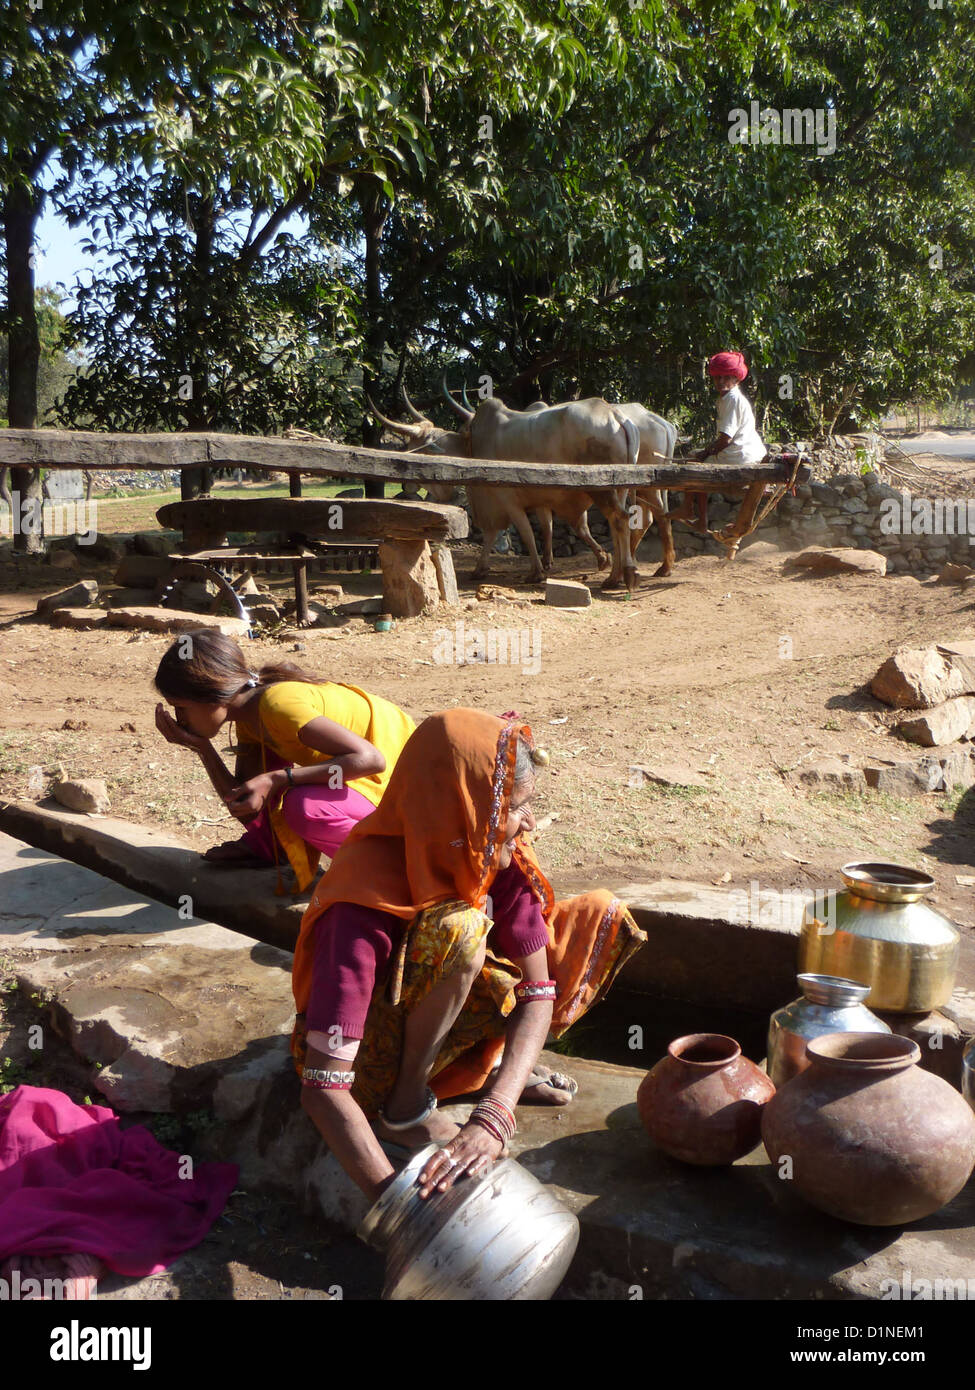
[415, 578]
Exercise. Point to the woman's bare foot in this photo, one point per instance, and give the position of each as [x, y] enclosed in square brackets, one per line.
[547, 1087]
[234, 852]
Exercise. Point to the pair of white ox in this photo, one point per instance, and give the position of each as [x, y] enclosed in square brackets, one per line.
[585, 432]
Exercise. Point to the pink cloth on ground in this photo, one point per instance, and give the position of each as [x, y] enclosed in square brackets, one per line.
[71, 1179]
[322, 815]
[353, 946]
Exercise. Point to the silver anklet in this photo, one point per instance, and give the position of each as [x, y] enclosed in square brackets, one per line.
[431, 1105]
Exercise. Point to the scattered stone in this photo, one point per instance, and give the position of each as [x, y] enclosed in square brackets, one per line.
[245, 584]
[75, 725]
[915, 678]
[81, 619]
[943, 724]
[443, 563]
[63, 560]
[489, 593]
[831, 772]
[352, 492]
[127, 728]
[904, 778]
[844, 560]
[955, 574]
[142, 571]
[153, 543]
[567, 593]
[85, 794]
[131, 598]
[668, 775]
[359, 607]
[102, 547]
[80, 595]
[264, 612]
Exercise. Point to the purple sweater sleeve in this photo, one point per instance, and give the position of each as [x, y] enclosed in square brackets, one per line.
[353, 946]
[519, 927]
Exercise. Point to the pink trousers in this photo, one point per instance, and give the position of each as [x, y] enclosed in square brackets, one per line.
[321, 815]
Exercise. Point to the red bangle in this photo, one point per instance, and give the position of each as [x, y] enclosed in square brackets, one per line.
[528, 990]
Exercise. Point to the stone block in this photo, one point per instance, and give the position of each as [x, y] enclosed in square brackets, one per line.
[63, 560]
[567, 593]
[446, 578]
[79, 618]
[942, 724]
[923, 678]
[410, 585]
[80, 595]
[142, 571]
[831, 772]
[839, 560]
[87, 794]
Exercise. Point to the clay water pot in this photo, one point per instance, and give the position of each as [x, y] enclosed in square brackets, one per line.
[873, 1139]
[702, 1103]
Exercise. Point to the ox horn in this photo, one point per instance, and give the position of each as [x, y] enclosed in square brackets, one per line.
[466, 415]
[463, 392]
[397, 426]
[411, 407]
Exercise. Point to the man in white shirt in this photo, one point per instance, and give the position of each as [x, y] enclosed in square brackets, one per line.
[737, 440]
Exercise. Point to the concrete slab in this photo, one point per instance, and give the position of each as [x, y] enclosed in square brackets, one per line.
[164, 1005]
[712, 945]
[164, 867]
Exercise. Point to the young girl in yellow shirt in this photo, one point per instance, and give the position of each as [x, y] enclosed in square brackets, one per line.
[314, 757]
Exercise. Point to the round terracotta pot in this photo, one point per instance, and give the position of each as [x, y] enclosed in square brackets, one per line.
[702, 1103]
[871, 1137]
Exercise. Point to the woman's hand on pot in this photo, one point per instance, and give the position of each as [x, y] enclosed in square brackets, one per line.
[469, 1154]
[175, 733]
[247, 800]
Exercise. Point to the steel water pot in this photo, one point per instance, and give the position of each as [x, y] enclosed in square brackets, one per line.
[879, 932]
[828, 1004]
[501, 1236]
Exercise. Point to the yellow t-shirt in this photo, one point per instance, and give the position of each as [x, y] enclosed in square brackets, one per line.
[287, 706]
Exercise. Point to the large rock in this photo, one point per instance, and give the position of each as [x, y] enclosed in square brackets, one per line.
[63, 560]
[80, 595]
[843, 560]
[922, 678]
[410, 584]
[943, 724]
[956, 574]
[82, 794]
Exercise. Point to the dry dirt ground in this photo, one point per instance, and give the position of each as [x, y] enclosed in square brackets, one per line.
[737, 671]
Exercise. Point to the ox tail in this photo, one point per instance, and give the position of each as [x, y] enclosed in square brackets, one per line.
[632, 439]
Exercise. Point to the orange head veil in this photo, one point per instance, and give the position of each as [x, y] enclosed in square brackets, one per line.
[438, 832]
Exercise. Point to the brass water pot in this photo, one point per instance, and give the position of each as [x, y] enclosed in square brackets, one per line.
[878, 931]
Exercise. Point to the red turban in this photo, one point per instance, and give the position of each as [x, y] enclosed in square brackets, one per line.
[728, 364]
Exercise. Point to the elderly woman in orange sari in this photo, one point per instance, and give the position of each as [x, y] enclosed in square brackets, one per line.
[433, 960]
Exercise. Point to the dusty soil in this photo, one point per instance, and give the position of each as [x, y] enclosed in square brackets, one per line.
[736, 671]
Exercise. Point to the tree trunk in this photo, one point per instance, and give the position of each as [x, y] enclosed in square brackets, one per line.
[21, 208]
[373, 220]
[195, 481]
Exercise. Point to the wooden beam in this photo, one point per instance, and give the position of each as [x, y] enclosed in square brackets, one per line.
[337, 518]
[88, 450]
